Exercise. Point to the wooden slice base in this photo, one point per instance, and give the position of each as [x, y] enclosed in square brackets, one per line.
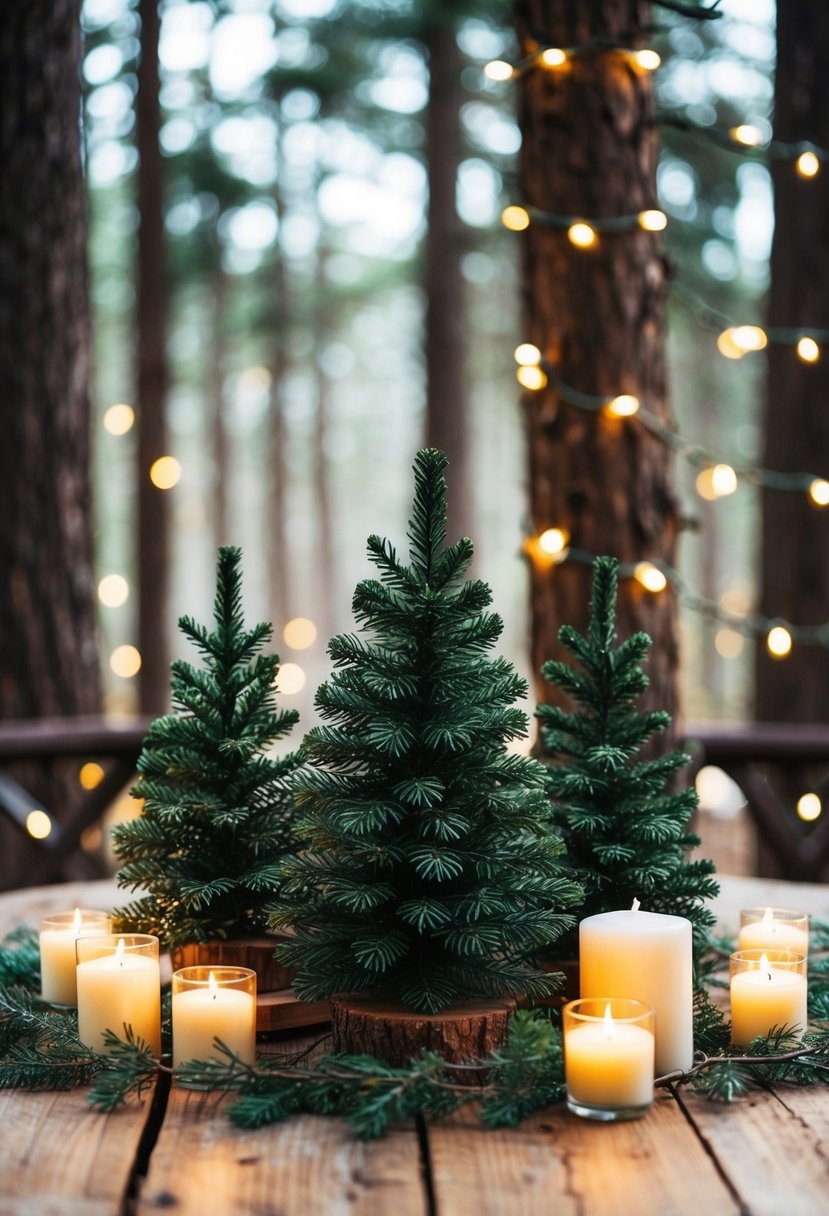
[255, 953]
[365, 1023]
[278, 1011]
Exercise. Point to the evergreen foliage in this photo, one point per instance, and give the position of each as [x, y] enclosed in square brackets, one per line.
[218, 814]
[429, 870]
[626, 833]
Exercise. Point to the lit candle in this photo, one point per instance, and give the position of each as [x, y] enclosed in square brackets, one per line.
[768, 990]
[608, 1057]
[58, 934]
[119, 985]
[213, 1003]
[774, 929]
[647, 956]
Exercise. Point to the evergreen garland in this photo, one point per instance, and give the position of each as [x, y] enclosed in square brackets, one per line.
[626, 835]
[218, 813]
[429, 871]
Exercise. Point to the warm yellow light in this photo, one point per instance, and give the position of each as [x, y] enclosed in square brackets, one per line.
[38, 825]
[779, 642]
[90, 775]
[119, 419]
[125, 661]
[299, 633]
[517, 219]
[808, 350]
[624, 406]
[747, 135]
[554, 541]
[819, 492]
[498, 69]
[526, 354]
[581, 235]
[553, 57]
[723, 480]
[113, 590]
[653, 220]
[728, 643]
[807, 165]
[809, 807]
[650, 576]
[165, 472]
[646, 60]
[532, 378]
[727, 346]
[290, 679]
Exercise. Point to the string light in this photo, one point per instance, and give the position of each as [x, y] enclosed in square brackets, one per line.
[749, 140]
[499, 70]
[582, 232]
[517, 219]
[809, 807]
[650, 577]
[747, 135]
[119, 419]
[532, 378]
[554, 541]
[739, 340]
[113, 590]
[807, 350]
[553, 57]
[299, 633]
[582, 235]
[526, 354]
[819, 492]
[624, 406]
[38, 825]
[779, 642]
[165, 472]
[90, 775]
[807, 165]
[646, 60]
[125, 661]
[290, 679]
[713, 319]
[653, 220]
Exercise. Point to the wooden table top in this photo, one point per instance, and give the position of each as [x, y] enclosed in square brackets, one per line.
[763, 1156]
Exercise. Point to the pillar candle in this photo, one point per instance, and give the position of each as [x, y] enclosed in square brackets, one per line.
[766, 993]
[774, 929]
[119, 985]
[213, 1003]
[646, 956]
[58, 935]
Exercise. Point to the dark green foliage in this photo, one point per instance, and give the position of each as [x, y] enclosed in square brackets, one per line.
[712, 1032]
[429, 870]
[20, 960]
[626, 833]
[218, 813]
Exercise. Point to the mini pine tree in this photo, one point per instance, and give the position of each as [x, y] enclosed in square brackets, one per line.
[429, 871]
[217, 813]
[626, 833]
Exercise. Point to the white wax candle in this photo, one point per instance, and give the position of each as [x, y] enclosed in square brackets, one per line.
[769, 933]
[763, 999]
[647, 956]
[57, 952]
[118, 990]
[202, 1014]
[609, 1068]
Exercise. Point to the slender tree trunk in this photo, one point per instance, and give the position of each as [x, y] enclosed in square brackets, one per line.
[151, 376]
[326, 554]
[598, 315]
[221, 453]
[278, 564]
[446, 426]
[794, 578]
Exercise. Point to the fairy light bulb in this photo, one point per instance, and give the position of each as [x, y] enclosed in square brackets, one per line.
[582, 235]
[516, 219]
[113, 590]
[807, 165]
[498, 70]
[747, 135]
[125, 661]
[807, 349]
[624, 406]
[119, 419]
[553, 57]
[165, 472]
[653, 220]
[723, 480]
[809, 807]
[554, 541]
[38, 824]
[526, 354]
[779, 642]
[532, 378]
[646, 60]
[650, 577]
[819, 492]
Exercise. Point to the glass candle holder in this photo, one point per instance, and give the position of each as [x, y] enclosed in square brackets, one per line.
[608, 1057]
[58, 934]
[213, 1003]
[119, 989]
[774, 929]
[768, 990]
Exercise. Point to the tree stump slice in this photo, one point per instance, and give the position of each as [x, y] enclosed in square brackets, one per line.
[368, 1024]
[283, 1011]
[256, 953]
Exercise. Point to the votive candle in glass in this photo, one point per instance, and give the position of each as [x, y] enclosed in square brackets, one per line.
[774, 929]
[213, 1003]
[608, 1057]
[58, 934]
[119, 986]
[768, 990]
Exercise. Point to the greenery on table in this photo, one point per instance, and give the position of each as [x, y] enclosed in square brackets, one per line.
[429, 869]
[218, 812]
[625, 829]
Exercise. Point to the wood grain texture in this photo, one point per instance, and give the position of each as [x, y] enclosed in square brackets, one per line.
[201, 1164]
[277, 1011]
[256, 953]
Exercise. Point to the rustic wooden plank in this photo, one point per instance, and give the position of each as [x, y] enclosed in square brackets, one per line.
[736, 893]
[60, 1158]
[556, 1162]
[202, 1164]
[771, 1147]
[276, 1011]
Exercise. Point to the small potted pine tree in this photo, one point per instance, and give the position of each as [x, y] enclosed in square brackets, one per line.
[217, 813]
[429, 875]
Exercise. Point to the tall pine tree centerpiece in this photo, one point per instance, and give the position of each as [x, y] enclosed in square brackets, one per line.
[429, 873]
[218, 813]
[625, 827]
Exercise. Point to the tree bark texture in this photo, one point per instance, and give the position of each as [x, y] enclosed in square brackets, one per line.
[151, 377]
[446, 420]
[794, 577]
[598, 316]
[48, 640]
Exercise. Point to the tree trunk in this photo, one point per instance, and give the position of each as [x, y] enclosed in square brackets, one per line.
[445, 328]
[598, 315]
[794, 578]
[326, 571]
[221, 446]
[278, 564]
[151, 377]
[48, 641]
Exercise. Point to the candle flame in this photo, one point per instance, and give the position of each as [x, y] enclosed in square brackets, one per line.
[609, 1025]
[119, 951]
[212, 986]
[76, 920]
[765, 966]
[634, 907]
